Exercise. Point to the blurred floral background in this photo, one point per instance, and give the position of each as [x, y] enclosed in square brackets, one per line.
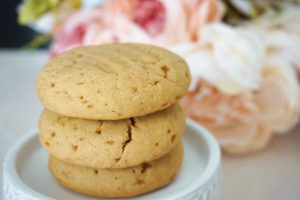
[243, 55]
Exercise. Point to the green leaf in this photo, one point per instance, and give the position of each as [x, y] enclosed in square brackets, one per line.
[37, 41]
[74, 3]
[33, 9]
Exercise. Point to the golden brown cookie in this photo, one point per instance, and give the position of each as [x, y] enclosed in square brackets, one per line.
[119, 182]
[112, 144]
[113, 81]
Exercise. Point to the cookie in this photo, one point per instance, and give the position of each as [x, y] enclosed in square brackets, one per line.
[112, 81]
[125, 182]
[111, 144]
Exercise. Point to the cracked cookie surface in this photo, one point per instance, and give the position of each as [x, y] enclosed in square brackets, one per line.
[126, 182]
[112, 81]
[111, 144]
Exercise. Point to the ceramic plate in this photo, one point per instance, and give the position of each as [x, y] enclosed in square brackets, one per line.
[26, 174]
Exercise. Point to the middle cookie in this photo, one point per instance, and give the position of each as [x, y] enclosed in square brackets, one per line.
[111, 144]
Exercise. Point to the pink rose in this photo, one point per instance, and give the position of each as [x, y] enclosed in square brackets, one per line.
[170, 22]
[159, 22]
[149, 15]
[71, 32]
[96, 26]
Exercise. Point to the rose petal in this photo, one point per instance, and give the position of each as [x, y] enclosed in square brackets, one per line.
[231, 49]
[260, 141]
[210, 107]
[279, 97]
[222, 58]
[237, 134]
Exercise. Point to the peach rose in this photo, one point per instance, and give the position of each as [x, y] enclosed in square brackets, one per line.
[279, 96]
[231, 118]
[278, 102]
[281, 35]
[208, 105]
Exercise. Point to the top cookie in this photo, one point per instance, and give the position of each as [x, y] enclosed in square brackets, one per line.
[112, 81]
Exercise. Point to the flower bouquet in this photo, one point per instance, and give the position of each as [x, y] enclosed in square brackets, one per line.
[242, 55]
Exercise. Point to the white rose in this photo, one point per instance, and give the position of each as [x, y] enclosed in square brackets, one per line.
[281, 33]
[229, 58]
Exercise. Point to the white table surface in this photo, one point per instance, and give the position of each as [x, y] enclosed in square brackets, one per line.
[273, 174]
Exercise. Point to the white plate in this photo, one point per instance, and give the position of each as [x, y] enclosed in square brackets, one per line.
[26, 175]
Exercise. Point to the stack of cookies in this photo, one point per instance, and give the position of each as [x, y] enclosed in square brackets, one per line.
[112, 122]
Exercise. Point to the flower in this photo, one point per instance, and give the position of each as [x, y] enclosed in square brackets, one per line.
[95, 26]
[262, 138]
[278, 103]
[201, 13]
[231, 118]
[281, 33]
[280, 81]
[159, 22]
[229, 58]
[149, 15]
[71, 33]
[213, 108]
[226, 66]
[235, 78]
[170, 22]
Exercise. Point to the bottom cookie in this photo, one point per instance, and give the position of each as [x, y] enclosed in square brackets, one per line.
[124, 182]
